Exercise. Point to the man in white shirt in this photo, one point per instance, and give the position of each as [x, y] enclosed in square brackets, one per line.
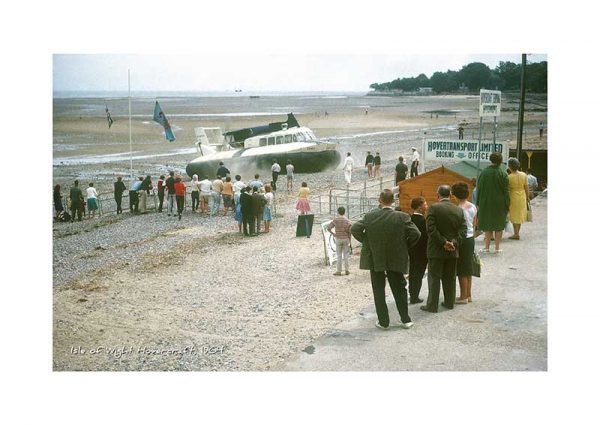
[414, 166]
[348, 166]
[205, 189]
[238, 186]
[275, 170]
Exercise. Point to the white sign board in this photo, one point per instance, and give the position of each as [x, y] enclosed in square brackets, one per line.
[489, 103]
[451, 151]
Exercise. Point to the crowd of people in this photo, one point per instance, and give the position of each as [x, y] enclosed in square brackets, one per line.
[439, 238]
[250, 204]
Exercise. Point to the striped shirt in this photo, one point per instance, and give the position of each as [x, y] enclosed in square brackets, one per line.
[342, 227]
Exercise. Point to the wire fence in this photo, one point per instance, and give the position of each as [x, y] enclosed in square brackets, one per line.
[356, 201]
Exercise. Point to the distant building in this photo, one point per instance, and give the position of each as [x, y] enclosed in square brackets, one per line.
[425, 90]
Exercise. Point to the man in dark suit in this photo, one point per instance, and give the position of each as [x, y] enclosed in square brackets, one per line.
[446, 226]
[258, 202]
[247, 210]
[418, 253]
[386, 236]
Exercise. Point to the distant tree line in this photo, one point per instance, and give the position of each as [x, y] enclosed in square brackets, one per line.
[475, 76]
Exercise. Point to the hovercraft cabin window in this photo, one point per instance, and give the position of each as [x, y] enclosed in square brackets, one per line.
[262, 141]
[300, 137]
[271, 141]
[288, 138]
[279, 140]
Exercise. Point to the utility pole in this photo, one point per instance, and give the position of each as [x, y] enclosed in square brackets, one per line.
[521, 108]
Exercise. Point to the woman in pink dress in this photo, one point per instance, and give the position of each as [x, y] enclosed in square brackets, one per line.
[303, 206]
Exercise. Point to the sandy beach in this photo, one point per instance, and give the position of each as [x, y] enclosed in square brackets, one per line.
[150, 292]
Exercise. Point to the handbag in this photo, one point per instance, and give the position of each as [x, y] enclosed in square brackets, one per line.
[476, 265]
[529, 213]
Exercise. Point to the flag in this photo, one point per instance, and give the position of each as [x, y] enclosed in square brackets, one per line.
[160, 118]
[108, 117]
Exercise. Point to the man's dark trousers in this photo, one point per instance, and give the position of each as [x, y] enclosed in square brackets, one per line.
[416, 272]
[444, 270]
[398, 287]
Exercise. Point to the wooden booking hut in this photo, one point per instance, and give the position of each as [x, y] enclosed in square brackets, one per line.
[426, 185]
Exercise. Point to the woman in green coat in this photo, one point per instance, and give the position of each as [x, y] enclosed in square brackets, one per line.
[492, 201]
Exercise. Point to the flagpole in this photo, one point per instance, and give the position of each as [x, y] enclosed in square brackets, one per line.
[130, 144]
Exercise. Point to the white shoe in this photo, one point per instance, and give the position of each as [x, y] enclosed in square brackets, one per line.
[385, 328]
[406, 325]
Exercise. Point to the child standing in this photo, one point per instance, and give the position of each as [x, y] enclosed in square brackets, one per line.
[342, 226]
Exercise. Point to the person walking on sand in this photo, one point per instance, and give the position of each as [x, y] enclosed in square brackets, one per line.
[348, 167]
[417, 253]
[289, 169]
[275, 170]
[541, 127]
[76, 198]
[92, 200]
[386, 236]
[161, 192]
[369, 162]
[171, 196]
[119, 189]
[179, 195]
[401, 170]
[461, 132]
[377, 162]
[342, 227]
[446, 228]
[414, 166]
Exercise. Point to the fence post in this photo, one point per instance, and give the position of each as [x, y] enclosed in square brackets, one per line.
[348, 199]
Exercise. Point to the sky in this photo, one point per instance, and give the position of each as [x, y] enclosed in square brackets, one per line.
[253, 72]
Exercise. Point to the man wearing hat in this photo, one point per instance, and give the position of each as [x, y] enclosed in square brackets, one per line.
[414, 166]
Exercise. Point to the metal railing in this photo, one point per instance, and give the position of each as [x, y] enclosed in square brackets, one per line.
[357, 201]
